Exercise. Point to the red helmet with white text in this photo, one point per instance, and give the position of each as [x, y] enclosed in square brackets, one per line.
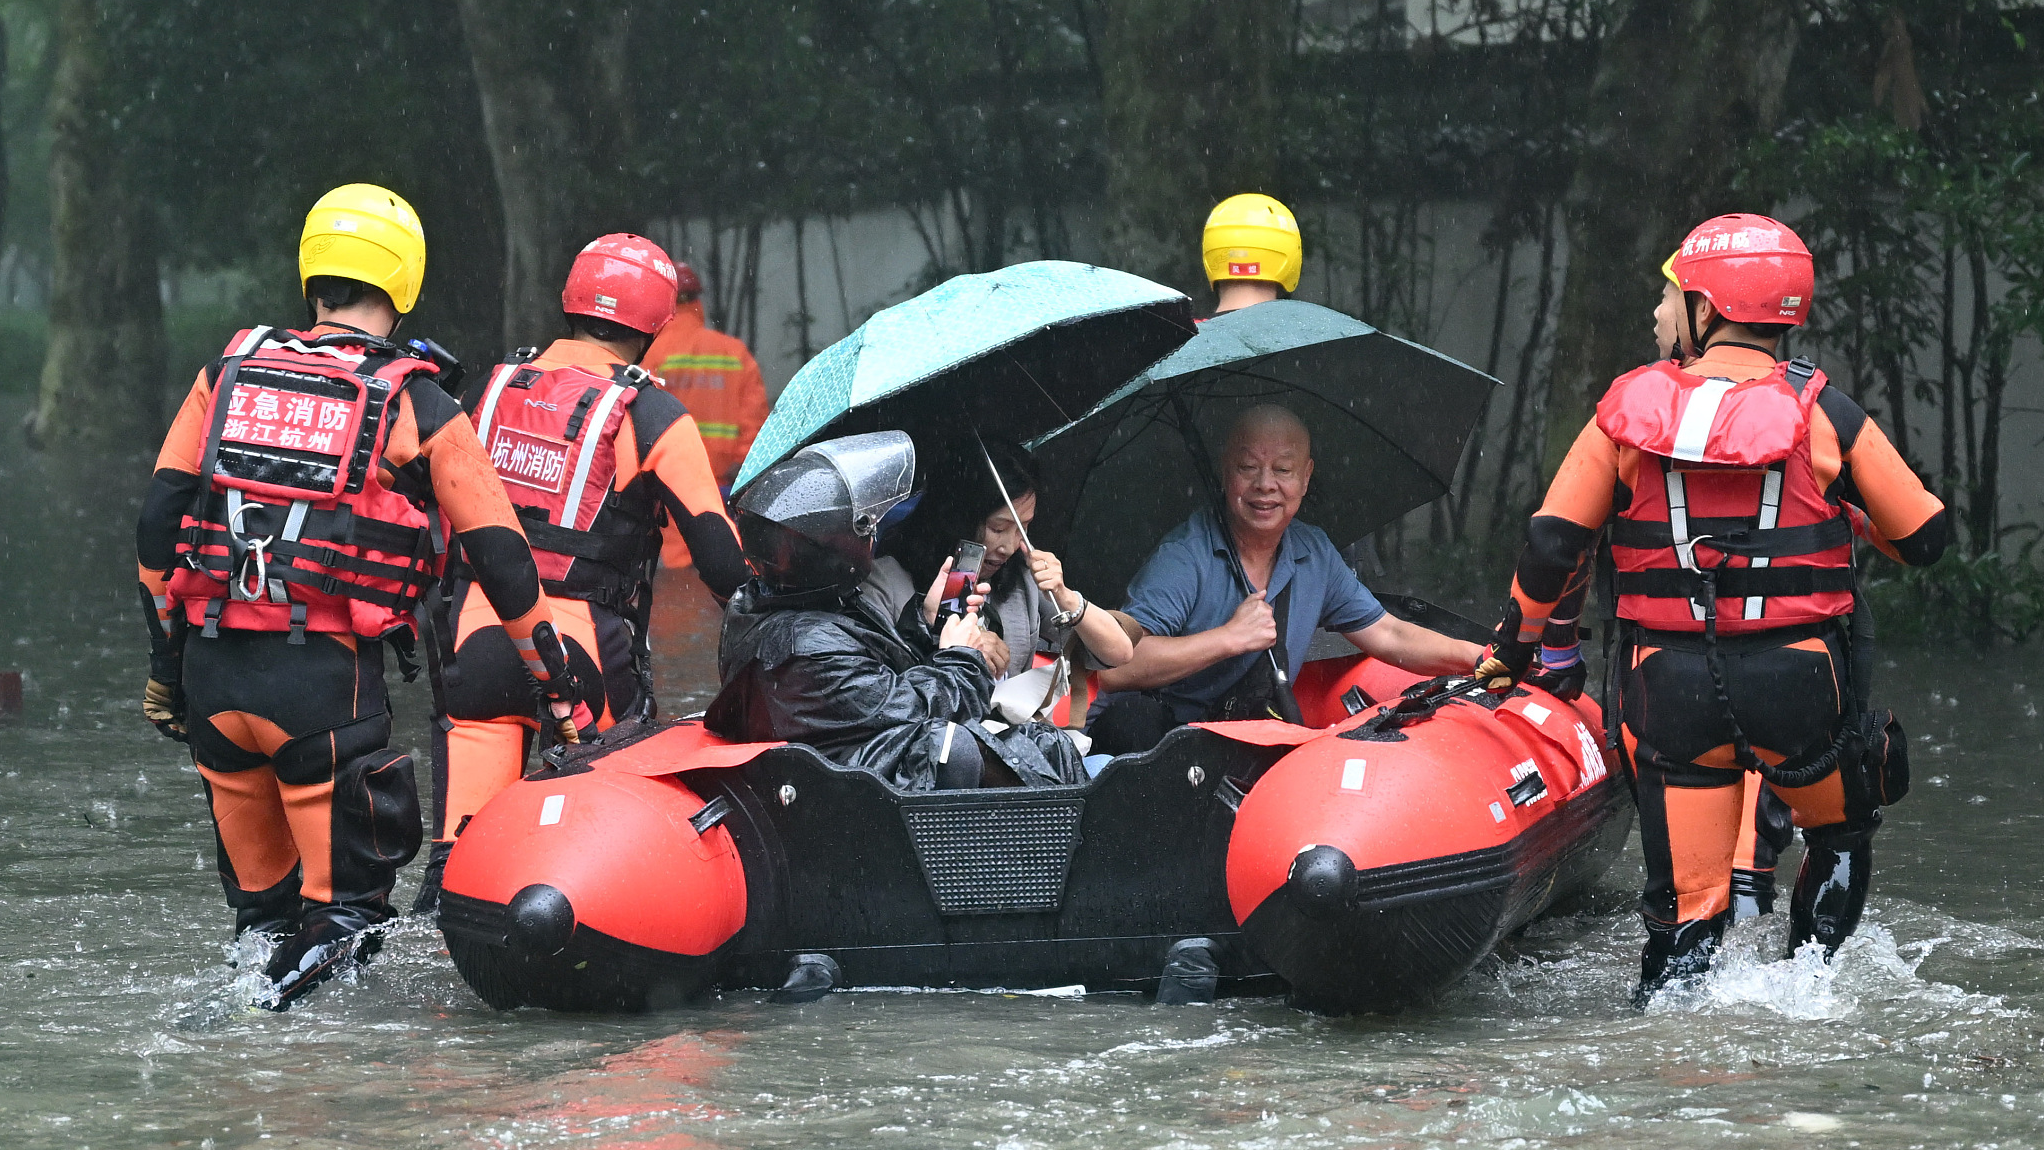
[1751, 268]
[623, 278]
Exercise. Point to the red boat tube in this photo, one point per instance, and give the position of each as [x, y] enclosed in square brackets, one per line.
[1373, 867]
[608, 869]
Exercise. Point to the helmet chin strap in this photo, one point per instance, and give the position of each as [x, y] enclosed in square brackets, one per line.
[1697, 343]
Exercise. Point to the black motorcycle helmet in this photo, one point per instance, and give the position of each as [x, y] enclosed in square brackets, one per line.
[808, 522]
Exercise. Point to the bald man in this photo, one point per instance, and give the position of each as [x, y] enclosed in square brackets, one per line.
[1201, 655]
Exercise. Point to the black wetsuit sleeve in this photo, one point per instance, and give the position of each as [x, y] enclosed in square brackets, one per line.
[672, 457]
[163, 508]
[431, 406]
[1928, 539]
[502, 562]
[1847, 417]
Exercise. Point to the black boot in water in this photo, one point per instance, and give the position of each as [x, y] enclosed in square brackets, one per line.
[1676, 950]
[1752, 894]
[333, 939]
[428, 901]
[1831, 889]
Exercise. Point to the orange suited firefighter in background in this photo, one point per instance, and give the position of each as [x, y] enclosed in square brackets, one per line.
[1734, 485]
[293, 523]
[716, 379]
[597, 459]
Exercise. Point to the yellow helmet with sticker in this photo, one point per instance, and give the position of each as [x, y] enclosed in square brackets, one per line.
[1252, 237]
[363, 232]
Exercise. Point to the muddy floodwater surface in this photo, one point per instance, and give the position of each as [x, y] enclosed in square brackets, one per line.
[123, 1020]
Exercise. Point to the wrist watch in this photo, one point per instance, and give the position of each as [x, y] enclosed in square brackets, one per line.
[1070, 618]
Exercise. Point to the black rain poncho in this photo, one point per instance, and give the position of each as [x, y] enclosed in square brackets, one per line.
[831, 673]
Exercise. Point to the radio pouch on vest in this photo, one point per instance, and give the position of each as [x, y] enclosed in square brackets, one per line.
[1255, 694]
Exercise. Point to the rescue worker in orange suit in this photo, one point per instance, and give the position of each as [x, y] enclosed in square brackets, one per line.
[1765, 828]
[293, 522]
[1733, 485]
[716, 379]
[596, 458]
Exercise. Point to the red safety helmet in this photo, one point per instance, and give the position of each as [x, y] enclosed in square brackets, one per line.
[686, 282]
[623, 278]
[1751, 268]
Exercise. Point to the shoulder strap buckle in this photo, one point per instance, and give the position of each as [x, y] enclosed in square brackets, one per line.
[1799, 373]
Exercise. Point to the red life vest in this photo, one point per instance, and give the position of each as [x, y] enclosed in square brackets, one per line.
[552, 435]
[293, 528]
[1726, 497]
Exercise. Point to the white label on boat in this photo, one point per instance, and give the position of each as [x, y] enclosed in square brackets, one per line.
[550, 810]
[1535, 713]
[1523, 769]
[1352, 774]
[1497, 812]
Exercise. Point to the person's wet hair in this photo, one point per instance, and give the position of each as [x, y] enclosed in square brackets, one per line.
[337, 292]
[609, 331]
[958, 495]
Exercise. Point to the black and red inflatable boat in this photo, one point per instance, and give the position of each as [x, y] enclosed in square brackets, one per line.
[1366, 860]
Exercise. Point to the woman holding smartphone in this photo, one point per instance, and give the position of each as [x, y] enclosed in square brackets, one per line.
[965, 514]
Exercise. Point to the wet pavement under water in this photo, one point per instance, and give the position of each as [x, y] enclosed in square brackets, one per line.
[123, 1024]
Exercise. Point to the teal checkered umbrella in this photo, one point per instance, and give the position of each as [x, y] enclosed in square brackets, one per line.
[1012, 353]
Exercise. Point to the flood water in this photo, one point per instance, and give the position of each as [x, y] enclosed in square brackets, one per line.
[122, 1024]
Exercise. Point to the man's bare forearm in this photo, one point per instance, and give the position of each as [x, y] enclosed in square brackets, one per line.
[1163, 659]
[1415, 648]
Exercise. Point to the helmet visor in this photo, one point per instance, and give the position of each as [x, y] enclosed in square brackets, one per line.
[878, 468]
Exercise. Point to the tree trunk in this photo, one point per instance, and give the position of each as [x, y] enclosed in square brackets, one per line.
[557, 121]
[102, 379]
[462, 302]
[1681, 88]
[1190, 116]
[3, 144]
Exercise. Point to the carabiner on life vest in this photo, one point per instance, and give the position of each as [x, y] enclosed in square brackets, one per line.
[250, 582]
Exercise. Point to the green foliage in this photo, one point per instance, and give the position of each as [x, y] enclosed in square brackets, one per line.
[1992, 597]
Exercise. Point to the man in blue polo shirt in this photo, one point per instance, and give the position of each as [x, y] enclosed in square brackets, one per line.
[1203, 641]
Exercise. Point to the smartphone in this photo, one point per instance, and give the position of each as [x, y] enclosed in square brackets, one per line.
[965, 564]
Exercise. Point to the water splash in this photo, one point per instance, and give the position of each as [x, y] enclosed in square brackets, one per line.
[1872, 980]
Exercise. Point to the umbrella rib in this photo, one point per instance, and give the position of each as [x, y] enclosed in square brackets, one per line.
[1045, 392]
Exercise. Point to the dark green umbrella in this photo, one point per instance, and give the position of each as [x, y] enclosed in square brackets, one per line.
[1389, 419]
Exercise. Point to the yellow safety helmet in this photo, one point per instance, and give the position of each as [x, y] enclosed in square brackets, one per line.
[366, 233]
[1252, 237]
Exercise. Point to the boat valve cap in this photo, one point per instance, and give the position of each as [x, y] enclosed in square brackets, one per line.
[1321, 879]
[541, 920]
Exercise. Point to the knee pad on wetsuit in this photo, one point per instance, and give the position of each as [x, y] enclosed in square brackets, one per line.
[1884, 765]
[494, 684]
[377, 828]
